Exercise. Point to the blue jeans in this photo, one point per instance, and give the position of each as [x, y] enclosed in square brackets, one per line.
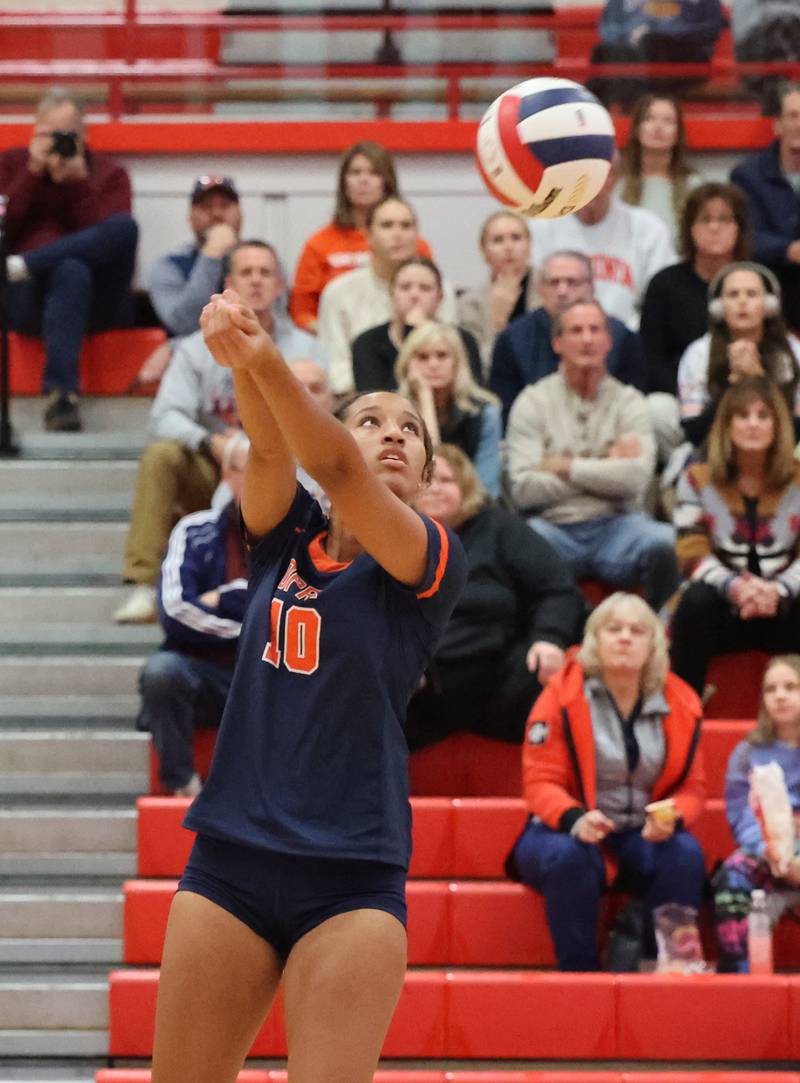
[180, 694]
[624, 550]
[77, 282]
[571, 876]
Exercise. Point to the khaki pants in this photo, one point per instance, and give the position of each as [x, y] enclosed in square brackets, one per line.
[171, 481]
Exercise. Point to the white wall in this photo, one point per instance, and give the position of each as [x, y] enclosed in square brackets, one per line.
[286, 198]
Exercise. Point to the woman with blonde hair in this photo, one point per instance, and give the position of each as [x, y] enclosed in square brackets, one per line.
[738, 535]
[366, 177]
[655, 173]
[519, 611]
[757, 862]
[613, 732]
[432, 371]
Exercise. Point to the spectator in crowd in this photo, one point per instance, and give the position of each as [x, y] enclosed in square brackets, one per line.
[366, 177]
[510, 290]
[755, 863]
[626, 245]
[192, 421]
[182, 281]
[432, 371]
[713, 233]
[524, 353]
[360, 299]
[747, 338]
[581, 455]
[771, 181]
[415, 293]
[73, 243]
[766, 31]
[201, 600]
[655, 173]
[518, 612]
[738, 526]
[611, 733]
[638, 31]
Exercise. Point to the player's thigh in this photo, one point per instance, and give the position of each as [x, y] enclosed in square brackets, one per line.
[218, 979]
[341, 986]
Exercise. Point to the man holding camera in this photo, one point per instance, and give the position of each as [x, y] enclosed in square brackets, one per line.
[73, 243]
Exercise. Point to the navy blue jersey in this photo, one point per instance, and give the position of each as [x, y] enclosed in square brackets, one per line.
[311, 758]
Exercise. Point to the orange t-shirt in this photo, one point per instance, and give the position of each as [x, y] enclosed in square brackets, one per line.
[328, 253]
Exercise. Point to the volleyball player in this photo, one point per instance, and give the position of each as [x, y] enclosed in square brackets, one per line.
[298, 870]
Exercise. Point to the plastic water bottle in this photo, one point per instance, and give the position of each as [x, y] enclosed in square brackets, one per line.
[759, 936]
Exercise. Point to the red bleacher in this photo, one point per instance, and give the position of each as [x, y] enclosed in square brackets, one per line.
[109, 364]
[463, 914]
[532, 1015]
[140, 1075]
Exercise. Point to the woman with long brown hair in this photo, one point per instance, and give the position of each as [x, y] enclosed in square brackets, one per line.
[366, 177]
[655, 173]
[738, 535]
[747, 337]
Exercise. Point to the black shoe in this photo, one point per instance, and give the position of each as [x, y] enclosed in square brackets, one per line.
[61, 413]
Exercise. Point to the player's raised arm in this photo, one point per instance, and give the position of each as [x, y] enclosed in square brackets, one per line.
[370, 466]
[269, 481]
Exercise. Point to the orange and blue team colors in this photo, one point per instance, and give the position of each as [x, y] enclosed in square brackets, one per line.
[311, 757]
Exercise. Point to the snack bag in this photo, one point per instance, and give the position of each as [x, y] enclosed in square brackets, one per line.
[678, 938]
[769, 800]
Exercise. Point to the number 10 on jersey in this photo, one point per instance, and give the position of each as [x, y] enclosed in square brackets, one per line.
[293, 638]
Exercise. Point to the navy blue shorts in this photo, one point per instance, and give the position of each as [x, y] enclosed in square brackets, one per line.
[281, 897]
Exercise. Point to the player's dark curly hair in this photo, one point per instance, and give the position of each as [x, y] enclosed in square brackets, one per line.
[342, 412]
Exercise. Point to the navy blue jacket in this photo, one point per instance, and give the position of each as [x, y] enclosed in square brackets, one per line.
[523, 354]
[773, 205]
[197, 562]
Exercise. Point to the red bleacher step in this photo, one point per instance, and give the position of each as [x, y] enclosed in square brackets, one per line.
[453, 837]
[410, 1075]
[109, 363]
[497, 1075]
[465, 923]
[476, 1014]
[449, 924]
[466, 765]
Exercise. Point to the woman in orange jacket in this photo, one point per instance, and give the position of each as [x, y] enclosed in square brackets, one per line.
[366, 177]
[612, 733]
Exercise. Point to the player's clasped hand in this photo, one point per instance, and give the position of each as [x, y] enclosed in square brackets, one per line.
[232, 332]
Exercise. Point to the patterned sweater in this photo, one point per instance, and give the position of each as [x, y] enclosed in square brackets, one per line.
[718, 540]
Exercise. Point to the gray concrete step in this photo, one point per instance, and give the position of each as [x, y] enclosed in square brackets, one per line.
[53, 1001]
[57, 751]
[72, 638]
[53, 1043]
[51, 550]
[50, 1071]
[53, 831]
[102, 415]
[73, 761]
[69, 676]
[55, 951]
[22, 606]
[35, 913]
[83, 711]
[65, 490]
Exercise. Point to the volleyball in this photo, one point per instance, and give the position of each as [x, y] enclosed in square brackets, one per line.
[545, 146]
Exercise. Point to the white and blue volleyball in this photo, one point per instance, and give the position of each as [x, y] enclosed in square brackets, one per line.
[545, 147]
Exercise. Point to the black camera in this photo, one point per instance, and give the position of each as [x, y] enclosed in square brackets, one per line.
[65, 144]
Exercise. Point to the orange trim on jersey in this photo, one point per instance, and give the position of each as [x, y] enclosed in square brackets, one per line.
[444, 550]
[320, 559]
